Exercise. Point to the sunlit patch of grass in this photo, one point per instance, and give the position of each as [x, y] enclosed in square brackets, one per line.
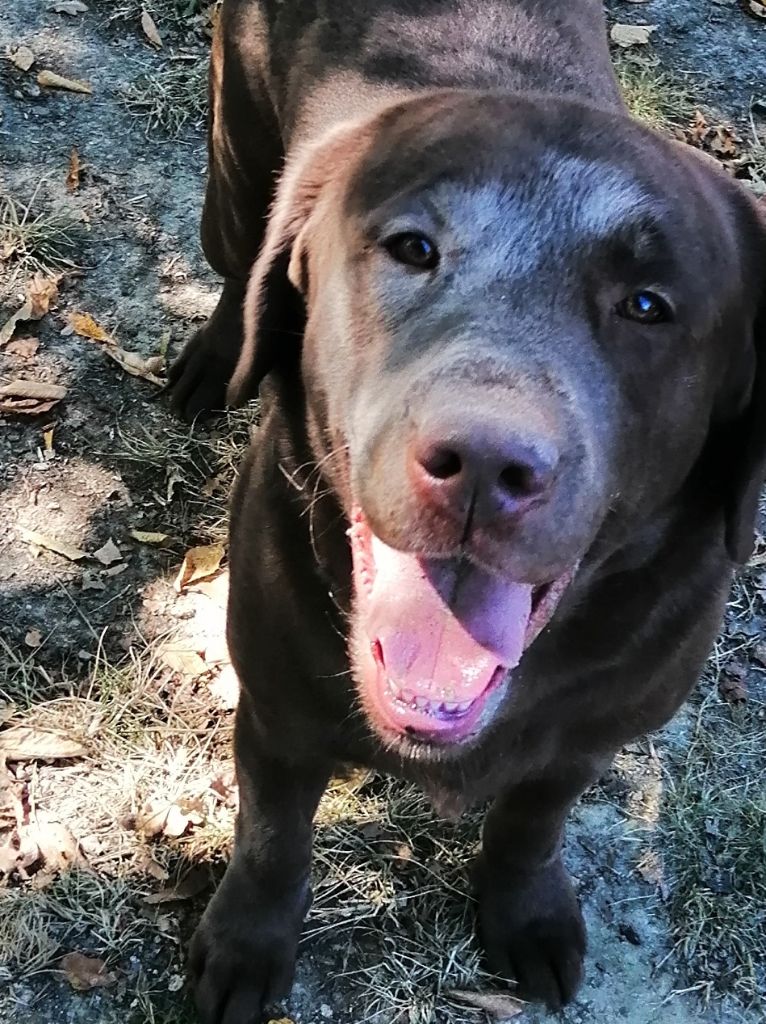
[650, 94]
[171, 98]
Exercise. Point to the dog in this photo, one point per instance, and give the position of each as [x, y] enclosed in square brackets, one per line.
[511, 352]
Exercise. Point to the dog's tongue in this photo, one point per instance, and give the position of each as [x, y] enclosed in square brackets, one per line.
[443, 627]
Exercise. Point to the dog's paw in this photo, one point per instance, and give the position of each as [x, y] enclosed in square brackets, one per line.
[533, 932]
[242, 956]
[197, 379]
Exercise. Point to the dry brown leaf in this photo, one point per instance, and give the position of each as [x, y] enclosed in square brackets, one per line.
[25, 406]
[631, 35]
[150, 29]
[68, 7]
[36, 389]
[41, 293]
[48, 441]
[191, 885]
[198, 564]
[34, 638]
[500, 1006]
[7, 711]
[74, 171]
[27, 743]
[42, 540]
[50, 80]
[137, 365]
[85, 973]
[147, 537]
[22, 57]
[282, 1020]
[145, 863]
[24, 348]
[179, 657]
[757, 8]
[160, 818]
[109, 553]
[84, 325]
[732, 688]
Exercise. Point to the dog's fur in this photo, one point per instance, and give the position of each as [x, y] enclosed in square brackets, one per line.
[550, 205]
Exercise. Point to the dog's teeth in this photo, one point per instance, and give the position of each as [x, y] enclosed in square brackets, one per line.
[450, 706]
[422, 702]
[396, 690]
[464, 706]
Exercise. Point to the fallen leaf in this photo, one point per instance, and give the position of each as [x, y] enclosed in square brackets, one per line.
[150, 29]
[199, 563]
[757, 8]
[33, 389]
[41, 293]
[282, 1020]
[500, 1006]
[22, 57]
[7, 711]
[146, 864]
[180, 658]
[85, 973]
[137, 365]
[109, 553]
[115, 570]
[42, 540]
[146, 537]
[68, 7]
[74, 172]
[28, 743]
[732, 688]
[631, 35]
[48, 442]
[50, 80]
[84, 325]
[34, 638]
[216, 589]
[24, 348]
[191, 885]
[25, 406]
[160, 818]
[225, 689]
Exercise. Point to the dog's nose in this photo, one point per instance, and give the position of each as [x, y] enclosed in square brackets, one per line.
[496, 473]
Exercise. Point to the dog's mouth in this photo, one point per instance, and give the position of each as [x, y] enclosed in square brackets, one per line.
[438, 639]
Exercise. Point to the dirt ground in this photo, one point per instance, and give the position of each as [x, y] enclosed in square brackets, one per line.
[98, 649]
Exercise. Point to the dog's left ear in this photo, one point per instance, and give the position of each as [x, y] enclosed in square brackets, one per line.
[274, 310]
[747, 448]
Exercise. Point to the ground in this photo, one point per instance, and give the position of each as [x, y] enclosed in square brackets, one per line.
[109, 848]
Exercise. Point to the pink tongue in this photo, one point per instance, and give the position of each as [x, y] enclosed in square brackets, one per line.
[444, 626]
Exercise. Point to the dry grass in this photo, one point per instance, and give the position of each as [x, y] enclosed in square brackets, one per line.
[199, 465]
[34, 240]
[651, 95]
[391, 883]
[713, 827]
[172, 98]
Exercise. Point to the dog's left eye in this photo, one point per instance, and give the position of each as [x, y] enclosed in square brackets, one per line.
[645, 308]
[413, 250]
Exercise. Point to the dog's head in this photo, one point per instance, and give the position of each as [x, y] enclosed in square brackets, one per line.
[527, 321]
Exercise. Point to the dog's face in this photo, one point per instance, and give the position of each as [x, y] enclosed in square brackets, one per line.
[524, 320]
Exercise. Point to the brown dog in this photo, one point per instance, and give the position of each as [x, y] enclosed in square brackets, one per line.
[513, 438]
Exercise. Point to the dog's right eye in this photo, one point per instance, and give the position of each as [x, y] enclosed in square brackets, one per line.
[413, 250]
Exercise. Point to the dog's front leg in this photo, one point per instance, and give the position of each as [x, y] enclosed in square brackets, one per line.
[529, 920]
[243, 953]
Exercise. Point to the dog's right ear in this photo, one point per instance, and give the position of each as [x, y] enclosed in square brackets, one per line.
[274, 313]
